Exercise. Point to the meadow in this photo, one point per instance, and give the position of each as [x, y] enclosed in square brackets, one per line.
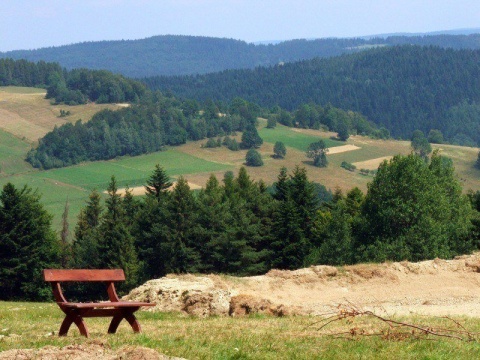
[26, 115]
[35, 325]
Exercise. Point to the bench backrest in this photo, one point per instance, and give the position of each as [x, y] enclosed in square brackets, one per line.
[83, 275]
[57, 276]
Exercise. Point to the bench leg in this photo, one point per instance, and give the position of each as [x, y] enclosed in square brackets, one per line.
[112, 329]
[67, 322]
[132, 320]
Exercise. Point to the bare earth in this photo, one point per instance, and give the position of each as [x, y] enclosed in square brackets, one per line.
[371, 164]
[436, 287]
[342, 149]
[140, 190]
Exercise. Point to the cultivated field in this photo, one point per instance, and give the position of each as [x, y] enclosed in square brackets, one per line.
[25, 116]
[25, 113]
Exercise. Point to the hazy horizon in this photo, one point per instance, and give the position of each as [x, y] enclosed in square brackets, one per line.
[26, 24]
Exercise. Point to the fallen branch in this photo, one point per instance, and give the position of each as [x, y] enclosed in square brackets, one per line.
[396, 330]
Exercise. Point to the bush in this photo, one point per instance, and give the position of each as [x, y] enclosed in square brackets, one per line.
[253, 158]
[348, 166]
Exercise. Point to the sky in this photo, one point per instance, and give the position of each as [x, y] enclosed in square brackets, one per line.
[32, 24]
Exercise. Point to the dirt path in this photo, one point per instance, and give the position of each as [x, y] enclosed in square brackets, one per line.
[436, 287]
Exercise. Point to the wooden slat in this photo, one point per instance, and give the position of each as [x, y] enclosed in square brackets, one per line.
[61, 275]
[119, 304]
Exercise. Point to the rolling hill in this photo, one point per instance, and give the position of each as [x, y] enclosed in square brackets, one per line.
[402, 88]
[180, 55]
[192, 160]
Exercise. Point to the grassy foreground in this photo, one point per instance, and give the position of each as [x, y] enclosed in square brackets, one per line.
[31, 325]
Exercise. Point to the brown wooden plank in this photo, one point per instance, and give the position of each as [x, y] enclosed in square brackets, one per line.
[119, 304]
[64, 275]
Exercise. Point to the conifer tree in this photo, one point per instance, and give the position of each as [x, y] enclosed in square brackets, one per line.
[158, 183]
[116, 245]
[85, 245]
[27, 245]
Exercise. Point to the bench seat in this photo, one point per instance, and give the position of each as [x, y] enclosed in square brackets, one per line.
[76, 311]
[107, 304]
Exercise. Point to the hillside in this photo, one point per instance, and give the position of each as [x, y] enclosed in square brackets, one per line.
[180, 55]
[35, 116]
[401, 88]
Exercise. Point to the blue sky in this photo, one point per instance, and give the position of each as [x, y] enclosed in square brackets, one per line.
[30, 24]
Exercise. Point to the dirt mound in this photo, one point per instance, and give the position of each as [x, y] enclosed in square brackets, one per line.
[84, 352]
[196, 295]
[433, 287]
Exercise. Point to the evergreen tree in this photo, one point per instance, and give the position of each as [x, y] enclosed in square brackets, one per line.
[293, 219]
[116, 245]
[158, 183]
[342, 129]
[65, 246]
[27, 245]
[85, 246]
[250, 138]
[279, 150]
[253, 158]
[179, 246]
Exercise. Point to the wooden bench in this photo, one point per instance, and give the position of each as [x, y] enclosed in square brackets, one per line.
[75, 312]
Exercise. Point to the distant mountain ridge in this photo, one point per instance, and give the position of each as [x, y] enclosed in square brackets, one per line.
[402, 88]
[183, 55]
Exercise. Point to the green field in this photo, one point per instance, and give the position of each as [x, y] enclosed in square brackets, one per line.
[294, 139]
[35, 325]
[76, 182]
[37, 115]
[12, 152]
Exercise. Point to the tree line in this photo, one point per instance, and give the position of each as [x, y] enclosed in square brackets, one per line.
[70, 87]
[413, 210]
[158, 120]
[181, 55]
[400, 88]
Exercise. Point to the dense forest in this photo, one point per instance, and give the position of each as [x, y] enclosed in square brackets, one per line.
[401, 88]
[182, 55]
[152, 120]
[158, 120]
[413, 210]
[70, 87]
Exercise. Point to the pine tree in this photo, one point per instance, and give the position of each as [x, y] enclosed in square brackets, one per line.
[85, 245]
[27, 245]
[180, 242]
[158, 183]
[250, 138]
[65, 246]
[279, 150]
[116, 245]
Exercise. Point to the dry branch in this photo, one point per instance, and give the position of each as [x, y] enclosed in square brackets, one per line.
[395, 330]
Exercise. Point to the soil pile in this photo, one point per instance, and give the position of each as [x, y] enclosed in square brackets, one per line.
[434, 287]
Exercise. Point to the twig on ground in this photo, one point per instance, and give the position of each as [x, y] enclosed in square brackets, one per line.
[396, 329]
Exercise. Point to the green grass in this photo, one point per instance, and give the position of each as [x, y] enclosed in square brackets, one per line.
[131, 171]
[253, 337]
[12, 152]
[292, 138]
[22, 90]
[76, 182]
